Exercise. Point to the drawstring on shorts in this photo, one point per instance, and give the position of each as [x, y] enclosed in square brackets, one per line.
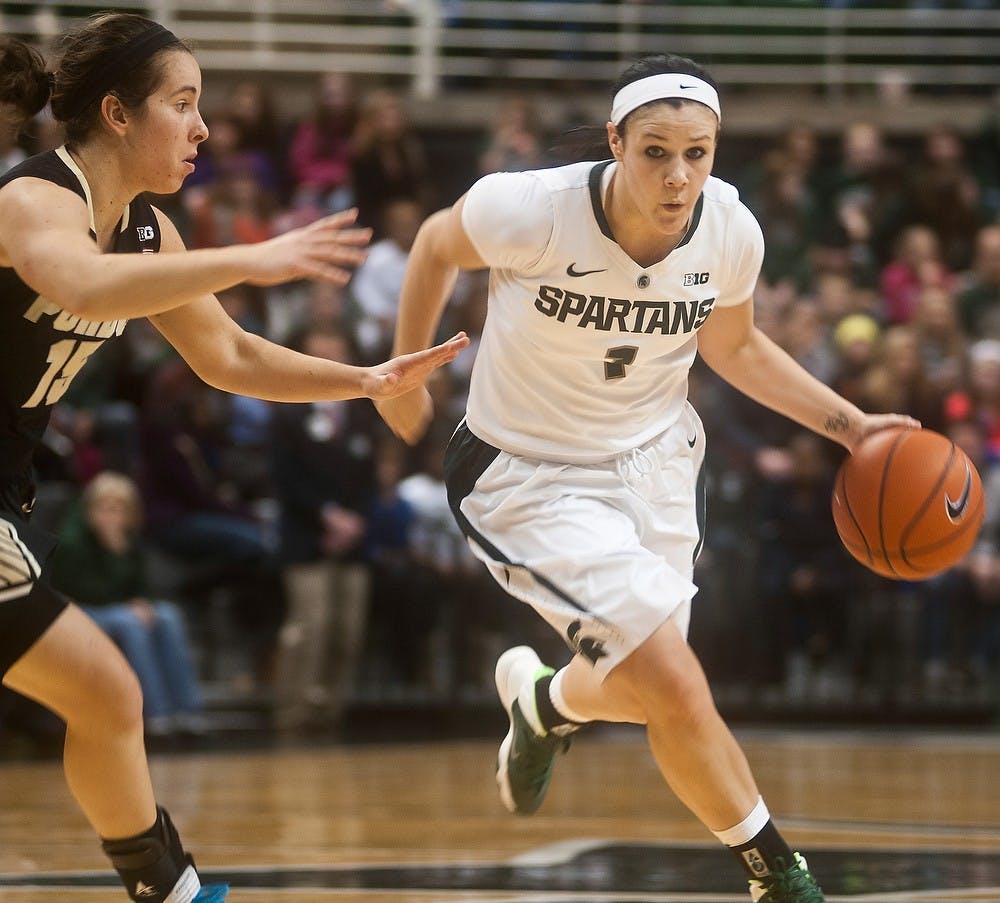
[635, 464]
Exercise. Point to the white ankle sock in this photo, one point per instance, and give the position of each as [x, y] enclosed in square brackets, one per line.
[556, 696]
[747, 829]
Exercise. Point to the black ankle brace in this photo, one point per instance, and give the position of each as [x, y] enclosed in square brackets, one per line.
[765, 853]
[150, 863]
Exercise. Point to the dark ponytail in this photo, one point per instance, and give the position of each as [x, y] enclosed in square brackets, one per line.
[25, 84]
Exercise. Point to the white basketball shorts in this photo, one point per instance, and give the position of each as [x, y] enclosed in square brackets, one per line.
[604, 552]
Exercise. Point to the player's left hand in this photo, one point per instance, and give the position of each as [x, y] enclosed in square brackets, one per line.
[410, 371]
[873, 423]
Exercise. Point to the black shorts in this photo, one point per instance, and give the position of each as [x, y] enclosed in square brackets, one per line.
[28, 605]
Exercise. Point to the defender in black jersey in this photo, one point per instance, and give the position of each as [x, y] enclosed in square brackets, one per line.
[80, 256]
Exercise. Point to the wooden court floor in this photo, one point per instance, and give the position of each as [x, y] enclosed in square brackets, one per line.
[902, 816]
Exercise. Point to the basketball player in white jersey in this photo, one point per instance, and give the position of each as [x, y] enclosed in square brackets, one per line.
[577, 474]
[81, 252]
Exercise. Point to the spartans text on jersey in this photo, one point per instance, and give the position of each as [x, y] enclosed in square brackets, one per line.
[621, 314]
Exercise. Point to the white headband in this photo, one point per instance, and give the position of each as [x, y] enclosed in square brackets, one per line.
[660, 87]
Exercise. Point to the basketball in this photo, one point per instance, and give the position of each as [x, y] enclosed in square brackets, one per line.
[908, 504]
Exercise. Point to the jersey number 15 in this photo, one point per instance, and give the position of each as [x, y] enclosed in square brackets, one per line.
[66, 359]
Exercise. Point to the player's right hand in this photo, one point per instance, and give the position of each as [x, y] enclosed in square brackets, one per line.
[325, 250]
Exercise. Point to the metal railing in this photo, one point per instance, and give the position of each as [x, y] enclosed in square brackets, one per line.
[431, 44]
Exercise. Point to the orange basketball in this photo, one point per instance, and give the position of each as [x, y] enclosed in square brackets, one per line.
[908, 503]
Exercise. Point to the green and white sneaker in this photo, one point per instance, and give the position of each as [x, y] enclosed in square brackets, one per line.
[794, 884]
[527, 754]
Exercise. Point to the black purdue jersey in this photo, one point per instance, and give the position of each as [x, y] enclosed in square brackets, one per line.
[42, 347]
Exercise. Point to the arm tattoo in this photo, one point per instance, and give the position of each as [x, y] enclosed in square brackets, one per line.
[836, 423]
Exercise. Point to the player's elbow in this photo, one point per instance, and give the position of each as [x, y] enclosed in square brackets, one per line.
[430, 240]
[57, 285]
[84, 302]
[442, 240]
[225, 363]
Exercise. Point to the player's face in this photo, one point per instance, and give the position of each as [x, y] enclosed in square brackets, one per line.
[165, 140]
[666, 156]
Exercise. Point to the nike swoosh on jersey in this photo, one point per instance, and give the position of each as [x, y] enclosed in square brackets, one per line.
[572, 272]
[955, 510]
[692, 441]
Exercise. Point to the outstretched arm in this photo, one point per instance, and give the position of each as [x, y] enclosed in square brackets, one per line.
[440, 250]
[227, 357]
[742, 355]
[44, 236]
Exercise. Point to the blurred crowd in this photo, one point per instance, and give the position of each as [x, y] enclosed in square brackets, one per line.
[301, 555]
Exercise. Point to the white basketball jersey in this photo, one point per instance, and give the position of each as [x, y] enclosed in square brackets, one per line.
[585, 354]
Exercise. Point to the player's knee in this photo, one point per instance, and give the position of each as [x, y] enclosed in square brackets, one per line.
[672, 691]
[117, 698]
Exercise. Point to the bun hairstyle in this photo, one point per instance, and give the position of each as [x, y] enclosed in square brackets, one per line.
[25, 85]
[111, 53]
[660, 64]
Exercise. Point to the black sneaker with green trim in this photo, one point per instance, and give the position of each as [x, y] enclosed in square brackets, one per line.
[527, 754]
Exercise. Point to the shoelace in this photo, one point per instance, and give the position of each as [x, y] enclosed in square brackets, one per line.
[791, 885]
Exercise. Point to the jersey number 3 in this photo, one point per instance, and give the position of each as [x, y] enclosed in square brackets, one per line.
[66, 359]
[617, 359]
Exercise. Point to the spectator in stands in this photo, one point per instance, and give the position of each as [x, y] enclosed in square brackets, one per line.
[388, 548]
[377, 282]
[515, 141]
[942, 344]
[979, 401]
[837, 297]
[943, 194]
[986, 158]
[916, 265]
[803, 573]
[960, 609]
[99, 563]
[797, 145]
[426, 635]
[196, 517]
[899, 381]
[242, 465]
[389, 162]
[782, 196]
[250, 106]
[235, 209]
[223, 155]
[323, 472]
[856, 341]
[785, 208]
[861, 199]
[979, 292]
[320, 154]
[805, 338]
